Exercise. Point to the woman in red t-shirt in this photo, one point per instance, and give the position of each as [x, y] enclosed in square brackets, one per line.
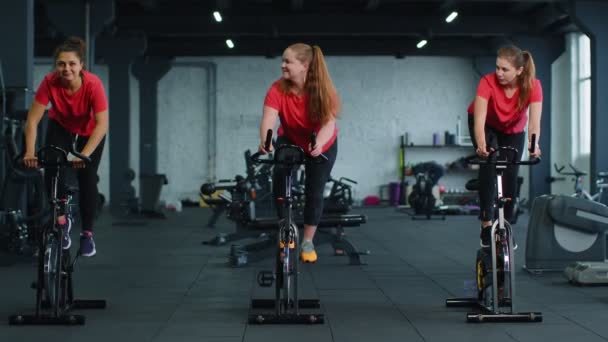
[498, 117]
[305, 101]
[79, 111]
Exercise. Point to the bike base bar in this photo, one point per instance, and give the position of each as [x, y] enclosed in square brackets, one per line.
[531, 317]
[88, 304]
[46, 320]
[270, 303]
[286, 319]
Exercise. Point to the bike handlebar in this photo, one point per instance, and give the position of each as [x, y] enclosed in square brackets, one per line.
[576, 172]
[304, 159]
[475, 160]
[62, 161]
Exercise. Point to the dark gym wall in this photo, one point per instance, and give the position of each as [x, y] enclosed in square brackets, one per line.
[591, 18]
[17, 56]
[17, 39]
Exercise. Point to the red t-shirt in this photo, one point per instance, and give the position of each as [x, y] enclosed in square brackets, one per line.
[502, 111]
[75, 112]
[295, 123]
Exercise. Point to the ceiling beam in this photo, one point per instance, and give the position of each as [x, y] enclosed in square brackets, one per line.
[191, 46]
[547, 16]
[297, 5]
[223, 4]
[347, 25]
[372, 5]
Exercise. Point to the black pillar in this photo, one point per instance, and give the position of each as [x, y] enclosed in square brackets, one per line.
[591, 16]
[17, 52]
[149, 71]
[84, 19]
[545, 50]
[119, 53]
[16, 66]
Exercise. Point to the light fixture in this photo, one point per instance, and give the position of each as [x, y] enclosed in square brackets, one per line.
[229, 43]
[421, 43]
[217, 16]
[451, 17]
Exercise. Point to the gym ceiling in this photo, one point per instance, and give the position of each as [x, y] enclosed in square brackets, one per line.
[340, 27]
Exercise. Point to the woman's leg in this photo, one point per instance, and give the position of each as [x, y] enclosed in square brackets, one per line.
[87, 183]
[487, 178]
[317, 176]
[487, 186]
[56, 135]
[509, 175]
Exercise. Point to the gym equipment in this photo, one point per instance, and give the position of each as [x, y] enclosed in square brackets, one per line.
[565, 229]
[473, 185]
[54, 285]
[241, 200]
[263, 230]
[147, 206]
[14, 237]
[580, 192]
[495, 266]
[22, 203]
[587, 273]
[286, 303]
[422, 199]
[340, 199]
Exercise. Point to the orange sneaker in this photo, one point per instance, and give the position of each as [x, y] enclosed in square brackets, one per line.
[307, 252]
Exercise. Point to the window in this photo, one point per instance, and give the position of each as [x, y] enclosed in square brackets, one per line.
[582, 114]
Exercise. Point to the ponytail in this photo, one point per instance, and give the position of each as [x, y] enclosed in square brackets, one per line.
[526, 80]
[323, 103]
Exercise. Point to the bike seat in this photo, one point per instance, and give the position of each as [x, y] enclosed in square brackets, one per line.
[71, 190]
[472, 185]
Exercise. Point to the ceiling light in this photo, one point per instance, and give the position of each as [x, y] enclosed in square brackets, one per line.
[421, 44]
[217, 16]
[451, 17]
[229, 43]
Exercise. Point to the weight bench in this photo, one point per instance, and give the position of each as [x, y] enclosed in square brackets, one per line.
[260, 249]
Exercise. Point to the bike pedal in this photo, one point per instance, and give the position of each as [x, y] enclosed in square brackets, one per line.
[292, 245]
[265, 278]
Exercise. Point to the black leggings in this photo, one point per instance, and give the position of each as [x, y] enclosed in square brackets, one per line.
[487, 173]
[316, 175]
[87, 177]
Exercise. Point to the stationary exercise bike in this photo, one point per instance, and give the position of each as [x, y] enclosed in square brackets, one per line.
[579, 190]
[54, 285]
[495, 266]
[286, 303]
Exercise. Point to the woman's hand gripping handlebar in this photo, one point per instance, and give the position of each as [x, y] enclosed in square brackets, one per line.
[59, 158]
[302, 157]
[510, 156]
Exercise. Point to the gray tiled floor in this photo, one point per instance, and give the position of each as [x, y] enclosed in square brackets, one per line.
[161, 284]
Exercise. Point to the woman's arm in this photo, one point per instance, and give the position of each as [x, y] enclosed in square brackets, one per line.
[269, 121]
[34, 116]
[480, 112]
[536, 109]
[325, 133]
[101, 128]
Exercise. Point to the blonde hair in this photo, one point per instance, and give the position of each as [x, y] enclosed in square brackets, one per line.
[323, 102]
